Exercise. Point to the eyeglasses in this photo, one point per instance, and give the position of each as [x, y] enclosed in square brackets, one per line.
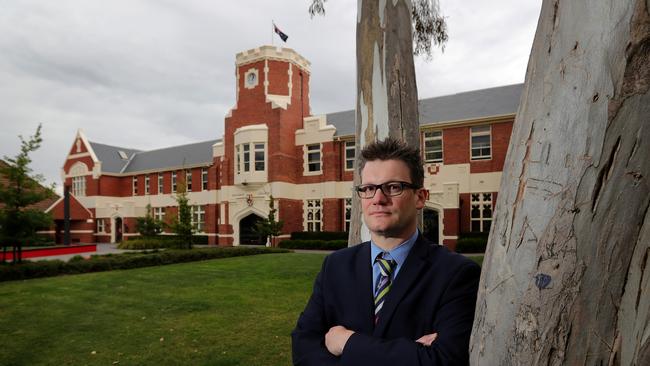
[389, 189]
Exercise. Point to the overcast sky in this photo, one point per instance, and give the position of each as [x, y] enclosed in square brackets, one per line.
[147, 74]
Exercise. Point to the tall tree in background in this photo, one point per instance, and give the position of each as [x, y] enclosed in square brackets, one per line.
[389, 33]
[19, 222]
[566, 277]
[182, 224]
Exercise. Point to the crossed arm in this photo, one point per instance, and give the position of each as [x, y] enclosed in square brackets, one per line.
[315, 342]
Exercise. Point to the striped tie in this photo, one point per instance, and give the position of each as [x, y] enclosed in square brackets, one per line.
[386, 267]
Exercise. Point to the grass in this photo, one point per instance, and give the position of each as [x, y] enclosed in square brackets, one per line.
[234, 311]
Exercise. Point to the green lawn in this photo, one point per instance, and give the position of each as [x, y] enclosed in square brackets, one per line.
[235, 311]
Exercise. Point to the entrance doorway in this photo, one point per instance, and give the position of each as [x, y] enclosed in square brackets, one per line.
[247, 234]
[431, 225]
[118, 229]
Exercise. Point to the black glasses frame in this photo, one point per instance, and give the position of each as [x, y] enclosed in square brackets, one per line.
[384, 187]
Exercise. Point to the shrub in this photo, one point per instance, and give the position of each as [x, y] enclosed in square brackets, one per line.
[47, 268]
[319, 235]
[313, 244]
[472, 244]
[150, 243]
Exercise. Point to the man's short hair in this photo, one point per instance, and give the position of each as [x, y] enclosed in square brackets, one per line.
[395, 149]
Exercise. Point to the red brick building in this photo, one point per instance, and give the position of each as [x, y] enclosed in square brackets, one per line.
[273, 146]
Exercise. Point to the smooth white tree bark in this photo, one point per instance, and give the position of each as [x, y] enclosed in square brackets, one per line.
[387, 98]
[566, 278]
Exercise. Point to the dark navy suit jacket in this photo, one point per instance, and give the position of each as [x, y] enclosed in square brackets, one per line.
[434, 292]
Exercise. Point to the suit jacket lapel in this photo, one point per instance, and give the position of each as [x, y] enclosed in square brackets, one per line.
[363, 288]
[407, 275]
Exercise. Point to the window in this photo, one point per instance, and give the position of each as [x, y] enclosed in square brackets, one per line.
[188, 181]
[348, 213]
[433, 146]
[481, 212]
[349, 155]
[247, 162]
[160, 183]
[259, 157]
[79, 186]
[481, 143]
[313, 158]
[135, 186]
[313, 215]
[174, 186]
[198, 218]
[147, 181]
[159, 213]
[100, 226]
[204, 179]
[247, 157]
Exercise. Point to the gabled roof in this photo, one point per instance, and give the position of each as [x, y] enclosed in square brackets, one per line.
[175, 156]
[470, 105]
[110, 157]
[132, 160]
[42, 205]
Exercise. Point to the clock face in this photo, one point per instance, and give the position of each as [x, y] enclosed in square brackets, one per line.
[250, 80]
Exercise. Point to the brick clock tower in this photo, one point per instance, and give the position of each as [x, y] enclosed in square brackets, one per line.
[258, 156]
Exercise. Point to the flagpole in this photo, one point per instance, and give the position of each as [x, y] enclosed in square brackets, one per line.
[272, 30]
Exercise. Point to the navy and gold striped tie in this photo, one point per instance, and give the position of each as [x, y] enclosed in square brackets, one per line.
[386, 267]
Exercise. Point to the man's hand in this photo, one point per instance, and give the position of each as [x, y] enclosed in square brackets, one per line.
[427, 339]
[336, 338]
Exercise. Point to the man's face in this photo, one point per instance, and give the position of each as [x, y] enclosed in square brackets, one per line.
[385, 216]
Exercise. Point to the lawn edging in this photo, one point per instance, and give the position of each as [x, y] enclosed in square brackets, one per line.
[109, 262]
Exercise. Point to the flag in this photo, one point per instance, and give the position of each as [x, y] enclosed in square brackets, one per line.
[280, 33]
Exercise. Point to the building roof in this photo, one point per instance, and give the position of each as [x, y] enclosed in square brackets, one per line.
[474, 104]
[42, 205]
[137, 160]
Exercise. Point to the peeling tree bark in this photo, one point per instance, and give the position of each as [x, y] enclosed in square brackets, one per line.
[566, 278]
[387, 98]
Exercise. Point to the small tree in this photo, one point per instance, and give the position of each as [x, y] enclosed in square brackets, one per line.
[182, 225]
[148, 226]
[18, 221]
[269, 227]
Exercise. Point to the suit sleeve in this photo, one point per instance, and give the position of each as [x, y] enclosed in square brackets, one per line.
[308, 338]
[453, 323]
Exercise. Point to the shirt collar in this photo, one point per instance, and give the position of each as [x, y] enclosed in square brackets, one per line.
[399, 253]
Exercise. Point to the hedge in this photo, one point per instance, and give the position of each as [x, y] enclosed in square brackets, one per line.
[159, 241]
[99, 263]
[472, 244]
[313, 244]
[319, 235]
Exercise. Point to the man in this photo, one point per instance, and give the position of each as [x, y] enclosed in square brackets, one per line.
[398, 299]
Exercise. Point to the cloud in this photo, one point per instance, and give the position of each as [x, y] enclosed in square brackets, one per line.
[149, 73]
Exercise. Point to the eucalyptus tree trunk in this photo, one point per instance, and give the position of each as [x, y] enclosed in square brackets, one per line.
[387, 98]
[566, 278]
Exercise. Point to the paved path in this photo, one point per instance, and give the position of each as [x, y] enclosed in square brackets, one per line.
[101, 250]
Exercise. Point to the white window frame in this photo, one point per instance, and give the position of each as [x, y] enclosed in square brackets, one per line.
[147, 183]
[432, 135]
[350, 149]
[478, 131]
[188, 180]
[159, 213]
[307, 162]
[161, 186]
[347, 214]
[135, 185]
[198, 218]
[101, 226]
[174, 182]
[79, 186]
[483, 200]
[313, 215]
[246, 157]
[204, 179]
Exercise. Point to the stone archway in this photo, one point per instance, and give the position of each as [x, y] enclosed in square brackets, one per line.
[247, 234]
